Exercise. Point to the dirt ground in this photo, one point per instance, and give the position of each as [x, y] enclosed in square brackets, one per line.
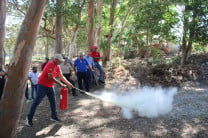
[89, 117]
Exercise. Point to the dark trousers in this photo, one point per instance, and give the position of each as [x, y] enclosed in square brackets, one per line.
[26, 92]
[89, 77]
[82, 76]
[2, 83]
[67, 76]
[41, 93]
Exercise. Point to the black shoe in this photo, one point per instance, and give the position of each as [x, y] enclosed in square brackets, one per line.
[55, 119]
[29, 122]
[74, 95]
[101, 81]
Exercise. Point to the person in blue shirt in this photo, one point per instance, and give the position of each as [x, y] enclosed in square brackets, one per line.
[91, 64]
[80, 67]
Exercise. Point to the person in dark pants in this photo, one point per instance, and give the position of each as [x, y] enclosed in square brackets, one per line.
[26, 94]
[2, 80]
[66, 69]
[80, 67]
[45, 87]
[91, 64]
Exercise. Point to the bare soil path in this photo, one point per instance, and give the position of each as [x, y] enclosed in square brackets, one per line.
[89, 117]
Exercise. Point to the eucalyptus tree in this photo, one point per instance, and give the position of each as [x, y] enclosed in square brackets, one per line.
[195, 26]
[72, 23]
[13, 95]
[98, 26]
[90, 24]
[125, 11]
[108, 52]
[2, 29]
[153, 20]
[59, 26]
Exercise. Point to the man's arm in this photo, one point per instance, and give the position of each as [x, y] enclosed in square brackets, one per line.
[30, 80]
[51, 78]
[61, 76]
[90, 68]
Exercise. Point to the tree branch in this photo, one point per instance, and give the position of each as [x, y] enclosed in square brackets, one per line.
[17, 7]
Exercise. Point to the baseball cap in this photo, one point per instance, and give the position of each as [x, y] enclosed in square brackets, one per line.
[58, 56]
[94, 47]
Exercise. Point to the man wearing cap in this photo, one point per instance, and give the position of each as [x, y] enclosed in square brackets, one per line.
[96, 56]
[45, 87]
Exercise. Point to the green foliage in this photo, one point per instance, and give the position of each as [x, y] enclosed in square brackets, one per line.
[199, 48]
[149, 22]
[156, 53]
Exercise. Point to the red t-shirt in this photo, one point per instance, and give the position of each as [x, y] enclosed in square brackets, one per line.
[95, 55]
[43, 65]
[49, 68]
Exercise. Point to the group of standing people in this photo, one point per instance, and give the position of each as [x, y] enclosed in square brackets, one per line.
[83, 68]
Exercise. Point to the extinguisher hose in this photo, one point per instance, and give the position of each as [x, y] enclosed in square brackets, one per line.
[81, 90]
[88, 93]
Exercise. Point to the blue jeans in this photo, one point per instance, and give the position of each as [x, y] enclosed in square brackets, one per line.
[89, 77]
[33, 88]
[42, 91]
[97, 65]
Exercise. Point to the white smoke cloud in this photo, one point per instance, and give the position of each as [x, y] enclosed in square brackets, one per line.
[146, 102]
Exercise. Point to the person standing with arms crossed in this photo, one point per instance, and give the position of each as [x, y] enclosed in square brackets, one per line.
[45, 87]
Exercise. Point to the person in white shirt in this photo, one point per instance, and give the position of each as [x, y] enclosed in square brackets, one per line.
[91, 64]
[67, 69]
[33, 77]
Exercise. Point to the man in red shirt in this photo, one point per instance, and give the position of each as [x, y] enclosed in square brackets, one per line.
[44, 64]
[96, 56]
[45, 87]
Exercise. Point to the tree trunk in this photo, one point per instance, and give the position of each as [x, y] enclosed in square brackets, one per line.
[122, 29]
[13, 96]
[186, 49]
[90, 24]
[98, 25]
[59, 24]
[107, 53]
[75, 31]
[45, 41]
[2, 29]
[73, 41]
[46, 48]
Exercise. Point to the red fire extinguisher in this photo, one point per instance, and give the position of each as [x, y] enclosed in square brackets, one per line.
[64, 98]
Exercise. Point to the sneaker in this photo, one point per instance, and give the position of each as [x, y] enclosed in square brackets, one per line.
[55, 119]
[29, 122]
